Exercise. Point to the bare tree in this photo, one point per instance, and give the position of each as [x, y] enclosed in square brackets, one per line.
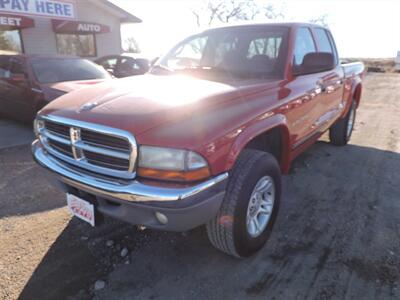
[131, 45]
[321, 20]
[224, 11]
[271, 12]
[210, 12]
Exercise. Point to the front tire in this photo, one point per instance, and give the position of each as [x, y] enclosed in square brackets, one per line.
[250, 207]
[340, 132]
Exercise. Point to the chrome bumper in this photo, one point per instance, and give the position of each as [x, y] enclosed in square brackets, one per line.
[132, 191]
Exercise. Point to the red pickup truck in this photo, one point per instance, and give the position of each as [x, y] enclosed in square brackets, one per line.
[204, 137]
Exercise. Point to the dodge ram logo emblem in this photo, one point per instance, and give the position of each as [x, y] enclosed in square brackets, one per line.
[87, 106]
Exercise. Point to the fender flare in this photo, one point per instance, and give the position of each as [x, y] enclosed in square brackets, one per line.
[355, 94]
[254, 130]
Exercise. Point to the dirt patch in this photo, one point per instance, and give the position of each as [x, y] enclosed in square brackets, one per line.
[376, 65]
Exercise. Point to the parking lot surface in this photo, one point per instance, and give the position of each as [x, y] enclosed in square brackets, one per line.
[14, 134]
[337, 234]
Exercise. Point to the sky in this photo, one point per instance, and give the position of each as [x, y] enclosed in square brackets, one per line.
[361, 28]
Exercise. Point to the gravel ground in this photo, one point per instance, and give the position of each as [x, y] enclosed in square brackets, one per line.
[337, 235]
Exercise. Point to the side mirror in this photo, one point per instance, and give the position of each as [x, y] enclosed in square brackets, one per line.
[315, 62]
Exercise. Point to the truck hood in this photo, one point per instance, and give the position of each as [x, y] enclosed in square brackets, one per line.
[139, 103]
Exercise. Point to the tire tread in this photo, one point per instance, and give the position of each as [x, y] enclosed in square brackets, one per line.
[338, 131]
[222, 236]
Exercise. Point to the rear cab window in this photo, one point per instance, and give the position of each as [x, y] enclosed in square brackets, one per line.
[267, 46]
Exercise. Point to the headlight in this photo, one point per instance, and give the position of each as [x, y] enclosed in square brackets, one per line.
[38, 125]
[171, 164]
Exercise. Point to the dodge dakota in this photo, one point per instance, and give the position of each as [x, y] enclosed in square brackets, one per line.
[204, 137]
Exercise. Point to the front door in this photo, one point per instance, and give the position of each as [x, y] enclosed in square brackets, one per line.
[303, 110]
[331, 82]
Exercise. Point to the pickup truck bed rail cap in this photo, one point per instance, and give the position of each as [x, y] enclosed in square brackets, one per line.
[134, 191]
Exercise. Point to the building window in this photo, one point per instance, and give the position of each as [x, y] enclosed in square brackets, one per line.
[10, 41]
[83, 45]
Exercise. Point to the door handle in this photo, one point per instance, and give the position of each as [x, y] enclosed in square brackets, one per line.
[319, 89]
[329, 89]
[36, 90]
[322, 88]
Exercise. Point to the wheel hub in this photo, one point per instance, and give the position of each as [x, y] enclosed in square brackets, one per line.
[260, 206]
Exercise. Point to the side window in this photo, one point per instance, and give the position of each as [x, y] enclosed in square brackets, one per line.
[335, 53]
[4, 67]
[129, 64]
[304, 45]
[324, 45]
[109, 63]
[17, 67]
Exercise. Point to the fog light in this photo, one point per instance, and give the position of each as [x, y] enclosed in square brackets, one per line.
[161, 218]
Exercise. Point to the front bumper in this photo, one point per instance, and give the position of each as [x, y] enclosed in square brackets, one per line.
[136, 202]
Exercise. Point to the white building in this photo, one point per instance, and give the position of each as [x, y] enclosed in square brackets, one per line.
[86, 28]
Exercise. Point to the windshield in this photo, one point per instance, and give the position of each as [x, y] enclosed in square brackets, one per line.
[240, 52]
[52, 70]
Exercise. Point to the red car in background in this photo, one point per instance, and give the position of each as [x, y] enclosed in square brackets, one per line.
[29, 82]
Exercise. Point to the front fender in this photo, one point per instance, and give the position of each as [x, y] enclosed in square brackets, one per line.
[261, 126]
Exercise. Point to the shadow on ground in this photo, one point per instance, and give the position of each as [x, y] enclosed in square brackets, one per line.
[14, 133]
[24, 187]
[337, 236]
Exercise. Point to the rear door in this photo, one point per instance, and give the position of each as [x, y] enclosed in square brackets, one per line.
[331, 82]
[304, 110]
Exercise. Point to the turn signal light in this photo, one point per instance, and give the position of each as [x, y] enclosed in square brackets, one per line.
[182, 176]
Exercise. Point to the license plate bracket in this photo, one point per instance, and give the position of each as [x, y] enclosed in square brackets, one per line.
[81, 208]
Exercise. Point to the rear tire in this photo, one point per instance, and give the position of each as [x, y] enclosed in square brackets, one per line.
[340, 132]
[255, 178]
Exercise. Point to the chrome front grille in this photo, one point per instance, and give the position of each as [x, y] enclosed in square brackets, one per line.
[111, 142]
[97, 148]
